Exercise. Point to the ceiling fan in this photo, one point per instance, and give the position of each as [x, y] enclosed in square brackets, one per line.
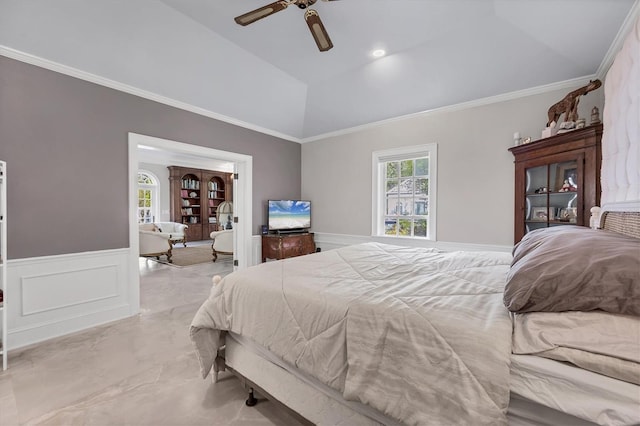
[310, 16]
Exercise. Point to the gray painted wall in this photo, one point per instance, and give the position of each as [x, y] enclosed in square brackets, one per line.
[475, 170]
[65, 143]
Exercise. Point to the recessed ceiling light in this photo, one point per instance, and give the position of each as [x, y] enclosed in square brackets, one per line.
[378, 53]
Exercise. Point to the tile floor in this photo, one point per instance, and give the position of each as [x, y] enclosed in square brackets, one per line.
[137, 371]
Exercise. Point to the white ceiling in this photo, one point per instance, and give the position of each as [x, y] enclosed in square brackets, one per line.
[270, 75]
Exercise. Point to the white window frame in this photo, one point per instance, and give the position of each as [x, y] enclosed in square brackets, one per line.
[155, 193]
[379, 158]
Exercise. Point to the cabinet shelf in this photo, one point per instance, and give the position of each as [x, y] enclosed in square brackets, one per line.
[544, 194]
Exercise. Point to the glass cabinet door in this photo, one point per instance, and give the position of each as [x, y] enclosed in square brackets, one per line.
[552, 195]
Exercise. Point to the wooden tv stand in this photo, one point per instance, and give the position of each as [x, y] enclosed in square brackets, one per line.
[283, 246]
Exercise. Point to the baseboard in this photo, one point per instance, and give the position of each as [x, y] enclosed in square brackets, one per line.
[327, 241]
[56, 295]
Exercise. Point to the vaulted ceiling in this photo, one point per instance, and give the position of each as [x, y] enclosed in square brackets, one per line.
[270, 75]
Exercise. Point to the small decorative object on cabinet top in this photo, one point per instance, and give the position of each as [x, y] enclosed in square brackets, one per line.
[567, 126]
[569, 104]
[516, 139]
[580, 123]
[595, 115]
[550, 130]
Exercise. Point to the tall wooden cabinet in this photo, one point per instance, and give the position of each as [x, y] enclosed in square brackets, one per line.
[195, 197]
[557, 180]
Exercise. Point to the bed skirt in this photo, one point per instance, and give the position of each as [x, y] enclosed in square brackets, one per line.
[322, 405]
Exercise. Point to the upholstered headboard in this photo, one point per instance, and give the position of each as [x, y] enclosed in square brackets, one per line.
[621, 133]
[621, 140]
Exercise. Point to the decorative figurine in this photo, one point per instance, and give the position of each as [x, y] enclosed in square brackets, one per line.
[595, 115]
[569, 104]
[565, 187]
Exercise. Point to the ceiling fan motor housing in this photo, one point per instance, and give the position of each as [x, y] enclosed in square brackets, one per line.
[303, 4]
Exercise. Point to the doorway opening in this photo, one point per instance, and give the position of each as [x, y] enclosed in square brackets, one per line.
[242, 200]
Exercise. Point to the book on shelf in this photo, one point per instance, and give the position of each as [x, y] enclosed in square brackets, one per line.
[184, 193]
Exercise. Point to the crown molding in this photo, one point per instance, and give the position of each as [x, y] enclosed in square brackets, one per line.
[112, 84]
[461, 106]
[618, 41]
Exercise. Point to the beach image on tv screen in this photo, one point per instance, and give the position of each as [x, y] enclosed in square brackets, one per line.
[288, 214]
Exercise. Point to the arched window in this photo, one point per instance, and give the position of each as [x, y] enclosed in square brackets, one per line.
[148, 202]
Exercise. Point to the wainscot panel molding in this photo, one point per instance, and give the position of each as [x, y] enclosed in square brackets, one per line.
[331, 241]
[326, 241]
[57, 295]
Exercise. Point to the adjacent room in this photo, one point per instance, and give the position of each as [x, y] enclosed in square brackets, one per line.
[333, 212]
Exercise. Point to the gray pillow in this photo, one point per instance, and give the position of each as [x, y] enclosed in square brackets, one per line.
[573, 268]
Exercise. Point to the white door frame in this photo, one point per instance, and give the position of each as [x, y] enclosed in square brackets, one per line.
[242, 202]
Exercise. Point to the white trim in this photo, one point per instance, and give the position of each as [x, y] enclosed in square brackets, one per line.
[377, 183]
[112, 84]
[618, 41]
[242, 200]
[328, 241]
[93, 78]
[4, 345]
[59, 258]
[44, 304]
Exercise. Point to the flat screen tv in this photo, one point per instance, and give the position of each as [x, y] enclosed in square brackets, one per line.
[289, 215]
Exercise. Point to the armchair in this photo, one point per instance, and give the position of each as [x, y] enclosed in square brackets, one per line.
[222, 243]
[177, 231]
[154, 244]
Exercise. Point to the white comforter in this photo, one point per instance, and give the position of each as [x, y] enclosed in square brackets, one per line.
[419, 334]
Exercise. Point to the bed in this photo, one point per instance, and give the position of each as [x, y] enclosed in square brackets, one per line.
[378, 334]
[382, 334]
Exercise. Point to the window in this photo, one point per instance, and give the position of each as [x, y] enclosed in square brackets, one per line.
[147, 197]
[404, 185]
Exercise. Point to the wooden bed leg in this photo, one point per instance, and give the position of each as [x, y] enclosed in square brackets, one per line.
[251, 401]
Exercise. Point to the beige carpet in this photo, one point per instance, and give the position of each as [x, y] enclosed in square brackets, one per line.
[187, 256]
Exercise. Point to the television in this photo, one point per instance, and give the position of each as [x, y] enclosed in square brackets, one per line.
[289, 215]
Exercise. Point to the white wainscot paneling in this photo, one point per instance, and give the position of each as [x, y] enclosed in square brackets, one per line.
[333, 241]
[56, 295]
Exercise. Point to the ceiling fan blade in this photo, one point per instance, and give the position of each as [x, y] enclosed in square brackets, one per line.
[261, 12]
[317, 30]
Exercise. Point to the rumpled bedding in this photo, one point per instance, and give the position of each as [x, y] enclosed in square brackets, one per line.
[419, 334]
[605, 343]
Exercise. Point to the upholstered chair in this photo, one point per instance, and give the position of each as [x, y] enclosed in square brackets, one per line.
[177, 231]
[222, 243]
[153, 243]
